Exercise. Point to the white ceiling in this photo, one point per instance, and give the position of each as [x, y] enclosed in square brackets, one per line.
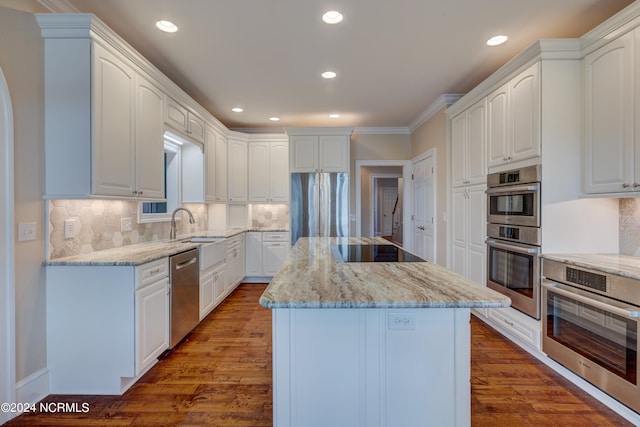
[393, 58]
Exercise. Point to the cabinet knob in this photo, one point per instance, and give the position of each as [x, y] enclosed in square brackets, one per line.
[636, 185]
[625, 185]
[140, 193]
[135, 192]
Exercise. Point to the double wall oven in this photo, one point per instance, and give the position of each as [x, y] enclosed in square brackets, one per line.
[513, 231]
[590, 325]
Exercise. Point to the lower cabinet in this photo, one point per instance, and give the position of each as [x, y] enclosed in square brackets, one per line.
[106, 325]
[235, 270]
[515, 325]
[212, 288]
[266, 251]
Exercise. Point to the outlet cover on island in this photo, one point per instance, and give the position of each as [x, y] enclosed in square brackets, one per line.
[126, 224]
[26, 231]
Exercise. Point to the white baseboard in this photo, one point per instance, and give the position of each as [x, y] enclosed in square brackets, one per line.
[257, 279]
[34, 388]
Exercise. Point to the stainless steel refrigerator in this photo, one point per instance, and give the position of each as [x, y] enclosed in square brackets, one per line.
[319, 205]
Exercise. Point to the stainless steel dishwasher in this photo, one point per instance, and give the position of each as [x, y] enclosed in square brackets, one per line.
[185, 294]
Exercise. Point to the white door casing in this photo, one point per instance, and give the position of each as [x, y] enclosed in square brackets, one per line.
[423, 230]
[7, 276]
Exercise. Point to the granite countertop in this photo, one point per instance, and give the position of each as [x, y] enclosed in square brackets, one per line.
[142, 253]
[621, 265]
[311, 278]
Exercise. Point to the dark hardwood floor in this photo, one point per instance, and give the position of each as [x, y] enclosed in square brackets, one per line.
[221, 376]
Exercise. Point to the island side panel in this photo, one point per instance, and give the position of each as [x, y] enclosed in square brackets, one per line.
[373, 367]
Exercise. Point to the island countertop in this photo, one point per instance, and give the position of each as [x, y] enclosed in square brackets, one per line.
[311, 278]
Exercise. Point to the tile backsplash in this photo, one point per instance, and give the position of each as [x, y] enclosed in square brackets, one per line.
[269, 216]
[630, 226]
[98, 224]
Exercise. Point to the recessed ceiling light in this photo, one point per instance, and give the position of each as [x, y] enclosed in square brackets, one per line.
[274, 119]
[497, 40]
[237, 110]
[332, 17]
[329, 74]
[167, 26]
[334, 116]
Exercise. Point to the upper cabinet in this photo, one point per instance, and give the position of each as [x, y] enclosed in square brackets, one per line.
[269, 171]
[319, 149]
[184, 121]
[107, 141]
[237, 170]
[469, 145]
[216, 166]
[513, 119]
[612, 151]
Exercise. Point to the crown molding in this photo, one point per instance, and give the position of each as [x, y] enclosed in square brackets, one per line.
[58, 6]
[620, 23]
[443, 100]
[329, 130]
[382, 130]
[267, 131]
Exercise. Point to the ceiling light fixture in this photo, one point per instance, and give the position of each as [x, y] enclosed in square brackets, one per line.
[237, 110]
[332, 17]
[334, 116]
[167, 26]
[497, 40]
[274, 119]
[329, 74]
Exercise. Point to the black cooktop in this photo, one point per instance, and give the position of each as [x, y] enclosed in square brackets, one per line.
[372, 253]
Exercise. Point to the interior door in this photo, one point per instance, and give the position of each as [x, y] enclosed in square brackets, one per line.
[423, 208]
[389, 197]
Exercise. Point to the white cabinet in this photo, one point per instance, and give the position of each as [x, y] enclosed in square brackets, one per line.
[183, 120]
[213, 257]
[513, 119]
[468, 145]
[235, 268]
[215, 166]
[237, 170]
[116, 320]
[269, 171]
[266, 251]
[319, 153]
[612, 150]
[103, 142]
[468, 232]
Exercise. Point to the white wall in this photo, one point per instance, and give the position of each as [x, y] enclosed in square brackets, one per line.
[22, 61]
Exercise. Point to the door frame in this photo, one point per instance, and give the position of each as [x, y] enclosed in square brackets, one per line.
[7, 246]
[434, 199]
[407, 195]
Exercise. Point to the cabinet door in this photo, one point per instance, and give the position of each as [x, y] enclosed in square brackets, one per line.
[498, 125]
[221, 167]
[152, 323]
[210, 183]
[113, 150]
[476, 233]
[279, 171]
[149, 140]
[259, 172]
[196, 128]
[219, 285]
[459, 149]
[477, 143]
[459, 231]
[253, 254]
[273, 256]
[524, 105]
[237, 172]
[334, 153]
[176, 116]
[207, 293]
[609, 117]
[304, 153]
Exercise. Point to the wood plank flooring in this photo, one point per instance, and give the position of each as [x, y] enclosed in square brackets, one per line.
[221, 377]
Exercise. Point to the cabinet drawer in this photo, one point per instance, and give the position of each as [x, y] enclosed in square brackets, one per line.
[150, 272]
[272, 236]
[235, 241]
[526, 329]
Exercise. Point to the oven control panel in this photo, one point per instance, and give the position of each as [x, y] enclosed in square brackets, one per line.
[586, 279]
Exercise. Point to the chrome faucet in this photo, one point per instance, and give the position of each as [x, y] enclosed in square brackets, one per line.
[172, 233]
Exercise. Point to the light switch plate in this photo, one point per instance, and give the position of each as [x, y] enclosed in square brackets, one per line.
[26, 231]
[69, 228]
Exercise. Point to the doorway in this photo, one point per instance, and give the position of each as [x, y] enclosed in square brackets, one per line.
[7, 281]
[386, 207]
[423, 189]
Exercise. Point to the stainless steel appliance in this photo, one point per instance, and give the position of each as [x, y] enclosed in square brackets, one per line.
[590, 325]
[185, 294]
[513, 197]
[319, 205]
[514, 239]
[372, 253]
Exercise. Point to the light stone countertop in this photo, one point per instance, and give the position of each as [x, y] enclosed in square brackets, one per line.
[311, 278]
[142, 253]
[621, 265]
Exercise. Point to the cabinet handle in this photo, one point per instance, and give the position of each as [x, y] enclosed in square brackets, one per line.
[636, 185]
[508, 323]
[157, 270]
[135, 191]
[140, 193]
[625, 185]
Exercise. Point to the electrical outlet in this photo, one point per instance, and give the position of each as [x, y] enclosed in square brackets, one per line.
[126, 224]
[69, 228]
[402, 321]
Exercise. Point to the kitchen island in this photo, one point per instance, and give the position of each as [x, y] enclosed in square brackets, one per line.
[370, 343]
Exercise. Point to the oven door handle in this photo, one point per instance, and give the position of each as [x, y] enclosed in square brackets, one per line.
[627, 311]
[513, 189]
[515, 247]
